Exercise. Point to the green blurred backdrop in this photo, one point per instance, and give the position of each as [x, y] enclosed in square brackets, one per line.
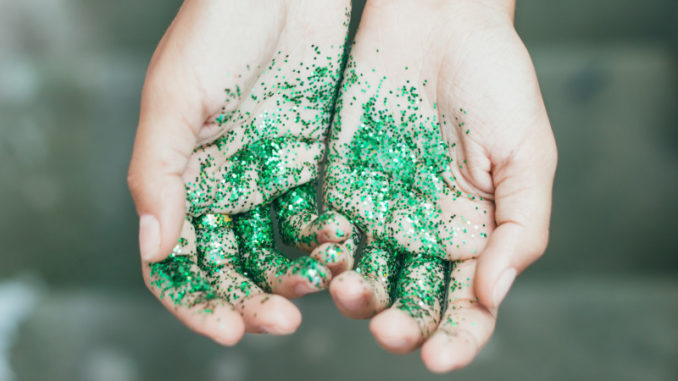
[602, 303]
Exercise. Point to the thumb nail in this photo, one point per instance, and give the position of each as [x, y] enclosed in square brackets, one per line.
[149, 237]
[503, 285]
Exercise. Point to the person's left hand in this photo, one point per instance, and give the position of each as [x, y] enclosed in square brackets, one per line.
[235, 110]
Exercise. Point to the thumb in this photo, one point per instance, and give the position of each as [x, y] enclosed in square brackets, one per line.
[523, 187]
[166, 136]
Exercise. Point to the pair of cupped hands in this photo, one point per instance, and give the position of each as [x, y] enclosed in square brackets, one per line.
[438, 164]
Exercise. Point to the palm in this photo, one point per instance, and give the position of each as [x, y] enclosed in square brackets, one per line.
[409, 163]
[268, 134]
[415, 156]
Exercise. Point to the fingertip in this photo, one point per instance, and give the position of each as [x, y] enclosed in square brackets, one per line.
[287, 321]
[352, 295]
[309, 271]
[336, 257]
[435, 355]
[276, 315]
[511, 248]
[293, 286]
[230, 331]
[346, 291]
[396, 331]
[440, 354]
[223, 325]
[335, 229]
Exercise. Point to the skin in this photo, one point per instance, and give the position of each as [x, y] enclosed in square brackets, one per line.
[510, 158]
[205, 120]
[481, 86]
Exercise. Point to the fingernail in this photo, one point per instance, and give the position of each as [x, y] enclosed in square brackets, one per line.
[149, 237]
[503, 285]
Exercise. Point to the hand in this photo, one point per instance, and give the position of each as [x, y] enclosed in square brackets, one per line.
[235, 109]
[441, 150]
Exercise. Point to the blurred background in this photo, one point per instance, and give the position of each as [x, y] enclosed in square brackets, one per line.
[601, 305]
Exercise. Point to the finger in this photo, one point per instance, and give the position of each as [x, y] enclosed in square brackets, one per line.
[300, 226]
[253, 176]
[267, 267]
[523, 207]
[338, 257]
[362, 293]
[169, 120]
[218, 257]
[328, 236]
[261, 311]
[416, 311]
[186, 291]
[210, 317]
[465, 327]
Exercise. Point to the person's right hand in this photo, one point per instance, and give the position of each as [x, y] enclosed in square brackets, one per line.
[234, 113]
[441, 150]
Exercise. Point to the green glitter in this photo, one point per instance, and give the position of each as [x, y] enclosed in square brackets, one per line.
[214, 250]
[379, 263]
[304, 104]
[295, 209]
[310, 269]
[391, 174]
[421, 287]
[179, 278]
[394, 164]
[261, 261]
[254, 232]
[298, 105]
